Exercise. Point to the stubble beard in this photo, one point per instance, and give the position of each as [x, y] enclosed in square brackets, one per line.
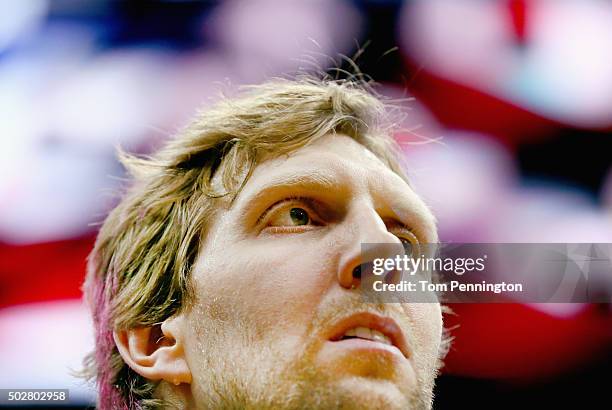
[245, 369]
[253, 380]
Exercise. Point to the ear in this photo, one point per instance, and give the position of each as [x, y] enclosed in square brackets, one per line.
[156, 352]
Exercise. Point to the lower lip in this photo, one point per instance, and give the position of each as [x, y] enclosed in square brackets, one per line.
[367, 346]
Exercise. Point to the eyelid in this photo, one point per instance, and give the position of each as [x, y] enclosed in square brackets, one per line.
[399, 226]
[403, 228]
[304, 200]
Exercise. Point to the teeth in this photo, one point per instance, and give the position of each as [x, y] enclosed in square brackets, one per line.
[379, 337]
[369, 334]
[364, 333]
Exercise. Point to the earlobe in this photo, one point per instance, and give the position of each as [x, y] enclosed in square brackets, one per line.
[156, 352]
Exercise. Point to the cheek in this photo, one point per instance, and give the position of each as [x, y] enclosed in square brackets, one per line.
[427, 325]
[274, 285]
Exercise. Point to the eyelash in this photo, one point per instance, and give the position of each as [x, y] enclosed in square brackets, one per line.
[306, 201]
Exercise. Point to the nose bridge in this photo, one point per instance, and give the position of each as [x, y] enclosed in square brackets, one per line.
[367, 227]
[368, 224]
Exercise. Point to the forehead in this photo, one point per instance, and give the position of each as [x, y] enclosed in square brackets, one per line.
[334, 160]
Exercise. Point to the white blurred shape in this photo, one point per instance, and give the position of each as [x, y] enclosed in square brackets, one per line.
[42, 343]
[551, 214]
[55, 194]
[61, 115]
[563, 71]
[464, 40]
[196, 81]
[114, 98]
[463, 180]
[17, 129]
[267, 37]
[18, 18]
[567, 73]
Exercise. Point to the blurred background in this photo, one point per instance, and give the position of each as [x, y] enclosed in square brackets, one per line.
[513, 97]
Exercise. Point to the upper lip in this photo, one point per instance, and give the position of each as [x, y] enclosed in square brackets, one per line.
[383, 324]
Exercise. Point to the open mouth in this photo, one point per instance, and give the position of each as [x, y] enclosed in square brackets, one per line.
[367, 334]
[371, 328]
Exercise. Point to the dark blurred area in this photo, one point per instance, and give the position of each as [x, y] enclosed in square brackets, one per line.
[507, 138]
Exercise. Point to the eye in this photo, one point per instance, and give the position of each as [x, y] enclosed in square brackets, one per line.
[404, 234]
[291, 215]
[409, 241]
[407, 237]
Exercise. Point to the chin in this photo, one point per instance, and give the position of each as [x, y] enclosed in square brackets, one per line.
[367, 393]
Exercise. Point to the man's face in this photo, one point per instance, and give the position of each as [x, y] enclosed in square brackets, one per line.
[278, 322]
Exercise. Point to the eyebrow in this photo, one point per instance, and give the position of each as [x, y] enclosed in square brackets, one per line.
[314, 180]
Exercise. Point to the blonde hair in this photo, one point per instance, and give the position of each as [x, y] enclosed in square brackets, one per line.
[138, 272]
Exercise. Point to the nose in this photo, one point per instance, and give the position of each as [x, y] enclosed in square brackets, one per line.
[365, 227]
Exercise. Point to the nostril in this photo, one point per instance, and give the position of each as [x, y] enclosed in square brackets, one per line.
[357, 272]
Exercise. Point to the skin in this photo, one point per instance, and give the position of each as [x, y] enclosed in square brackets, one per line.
[269, 289]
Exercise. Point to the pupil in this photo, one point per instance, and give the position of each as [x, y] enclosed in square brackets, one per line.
[299, 216]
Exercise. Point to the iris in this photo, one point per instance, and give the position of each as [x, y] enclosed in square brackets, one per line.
[299, 216]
